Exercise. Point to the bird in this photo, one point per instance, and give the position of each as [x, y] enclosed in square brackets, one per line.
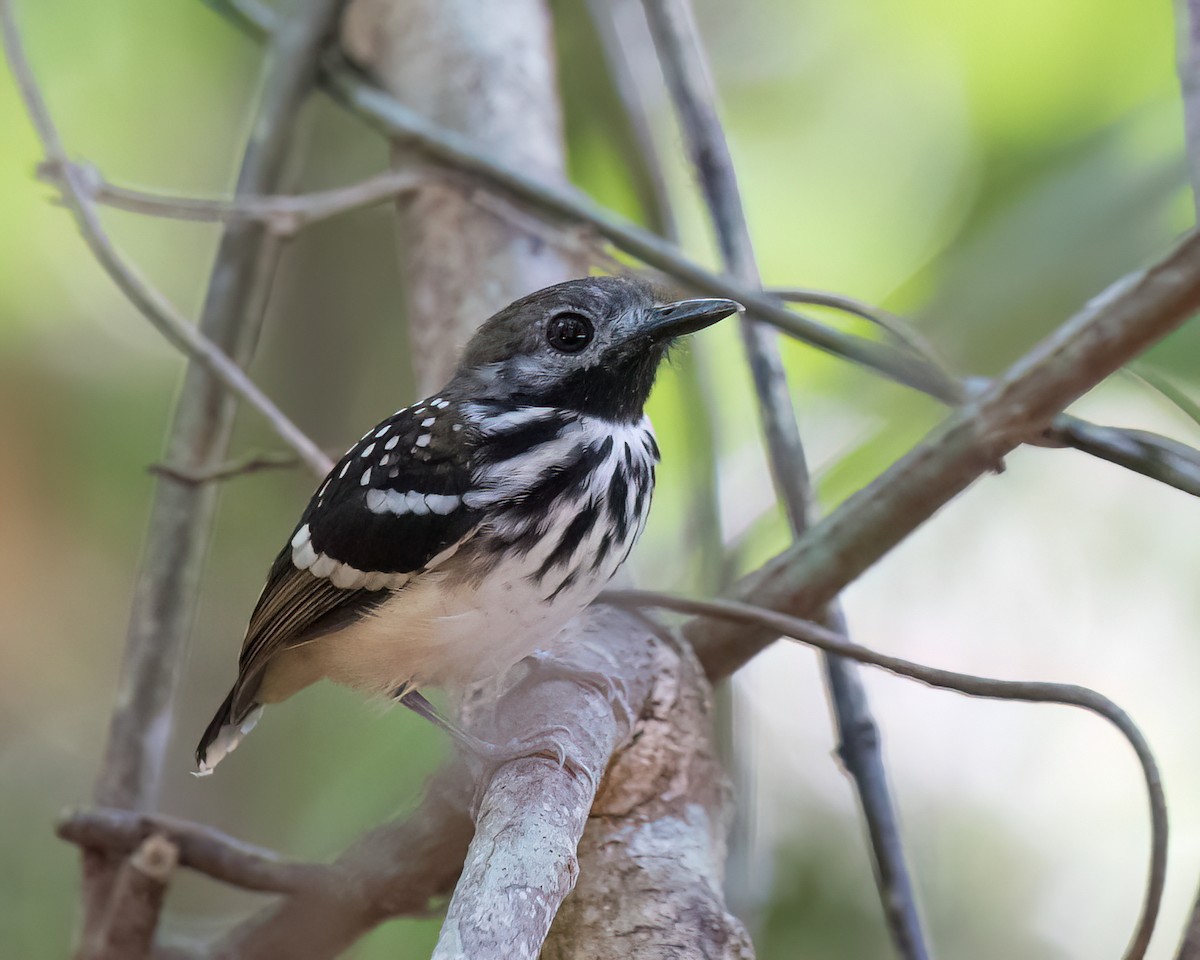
[459, 535]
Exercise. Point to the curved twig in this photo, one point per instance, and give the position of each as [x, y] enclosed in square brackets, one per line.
[1032, 691]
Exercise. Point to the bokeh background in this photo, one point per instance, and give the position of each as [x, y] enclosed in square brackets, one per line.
[982, 169]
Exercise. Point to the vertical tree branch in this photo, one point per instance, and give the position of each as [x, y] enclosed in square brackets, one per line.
[688, 77]
[485, 70]
[133, 909]
[181, 514]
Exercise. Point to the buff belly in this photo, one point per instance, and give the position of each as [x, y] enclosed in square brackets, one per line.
[438, 631]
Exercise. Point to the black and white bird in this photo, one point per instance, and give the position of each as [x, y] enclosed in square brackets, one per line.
[460, 535]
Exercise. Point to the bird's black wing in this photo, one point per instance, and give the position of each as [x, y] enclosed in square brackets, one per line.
[391, 507]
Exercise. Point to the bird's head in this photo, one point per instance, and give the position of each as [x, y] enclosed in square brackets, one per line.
[591, 345]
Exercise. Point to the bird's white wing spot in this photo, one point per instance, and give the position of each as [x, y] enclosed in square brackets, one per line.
[391, 444]
[366, 477]
[416, 503]
[323, 566]
[345, 467]
[382, 430]
[442, 503]
[368, 450]
[377, 501]
[345, 576]
[424, 439]
[429, 421]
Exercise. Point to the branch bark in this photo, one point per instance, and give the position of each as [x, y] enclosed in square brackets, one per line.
[131, 917]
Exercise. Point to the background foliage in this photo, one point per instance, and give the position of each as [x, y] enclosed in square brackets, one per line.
[982, 171]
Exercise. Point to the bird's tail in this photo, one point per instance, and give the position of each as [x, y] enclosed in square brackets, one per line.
[224, 733]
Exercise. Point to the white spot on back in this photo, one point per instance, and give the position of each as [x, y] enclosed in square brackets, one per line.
[382, 430]
[391, 444]
[368, 450]
[429, 421]
[424, 439]
[366, 477]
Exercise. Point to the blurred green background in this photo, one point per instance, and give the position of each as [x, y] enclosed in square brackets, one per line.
[983, 170]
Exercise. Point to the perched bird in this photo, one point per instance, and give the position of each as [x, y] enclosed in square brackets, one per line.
[460, 535]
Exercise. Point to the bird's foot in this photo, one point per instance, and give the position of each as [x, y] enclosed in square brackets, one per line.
[553, 743]
[543, 666]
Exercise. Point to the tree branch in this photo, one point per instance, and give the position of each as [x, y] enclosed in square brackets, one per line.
[284, 216]
[1111, 329]
[127, 929]
[199, 847]
[395, 870]
[689, 78]
[814, 634]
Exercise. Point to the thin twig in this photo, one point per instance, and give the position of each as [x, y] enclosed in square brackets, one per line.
[816, 635]
[627, 51]
[688, 76]
[284, 215]
[201, 848]
[152, 304]
[1160, 458]
[1162, 385]
[256, 463]
[904, 332]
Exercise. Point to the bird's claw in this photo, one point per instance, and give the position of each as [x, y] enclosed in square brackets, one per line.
[613, 688]
[552, 743]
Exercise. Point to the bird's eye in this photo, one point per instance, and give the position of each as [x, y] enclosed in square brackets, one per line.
[569, 332]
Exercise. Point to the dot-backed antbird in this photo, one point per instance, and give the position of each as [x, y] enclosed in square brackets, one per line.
[459, 535]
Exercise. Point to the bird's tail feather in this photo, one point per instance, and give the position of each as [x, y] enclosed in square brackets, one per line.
[223, 734]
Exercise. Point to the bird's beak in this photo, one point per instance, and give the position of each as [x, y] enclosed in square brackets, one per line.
[687, 316]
